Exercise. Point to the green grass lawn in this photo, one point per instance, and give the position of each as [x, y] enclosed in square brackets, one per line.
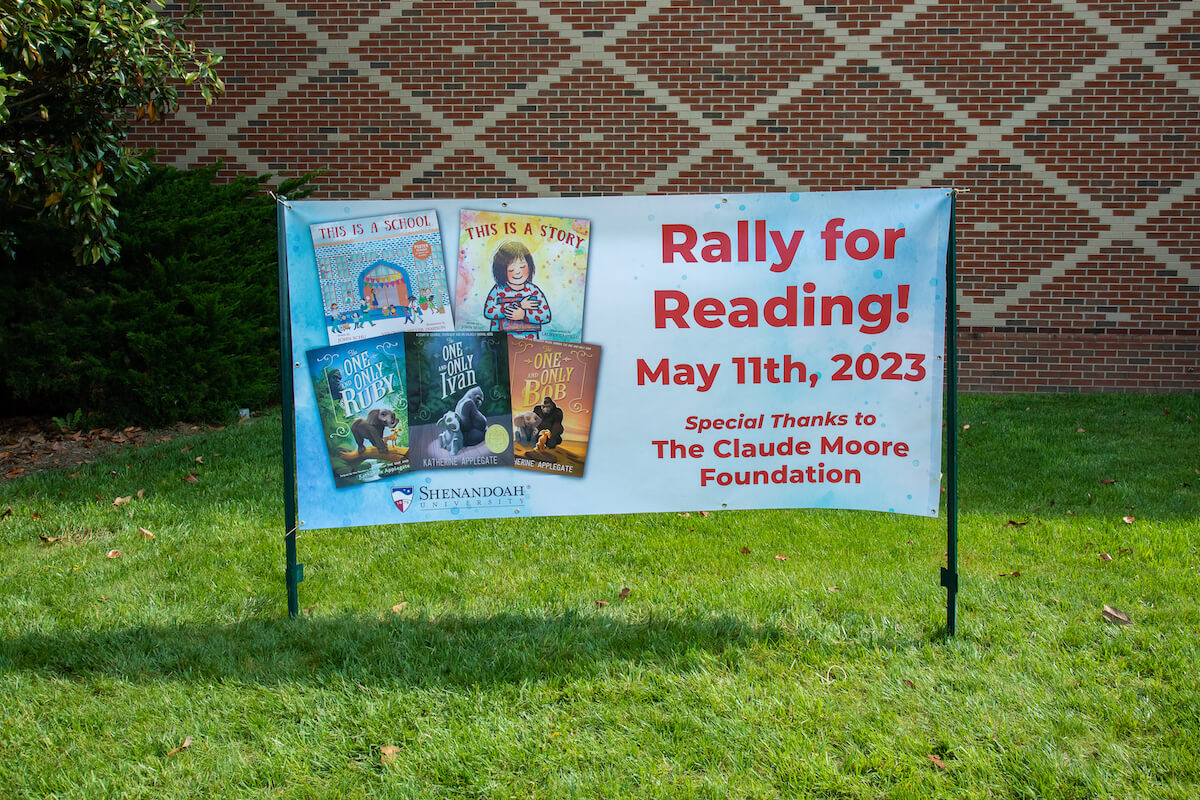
[479, 651]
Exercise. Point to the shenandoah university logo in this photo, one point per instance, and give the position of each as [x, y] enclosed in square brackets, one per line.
[429, 497]
[402, 496]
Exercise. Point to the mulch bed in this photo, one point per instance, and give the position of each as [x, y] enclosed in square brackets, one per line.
[29, 446]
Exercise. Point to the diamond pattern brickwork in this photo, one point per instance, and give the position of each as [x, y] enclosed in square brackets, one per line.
[1068, 126]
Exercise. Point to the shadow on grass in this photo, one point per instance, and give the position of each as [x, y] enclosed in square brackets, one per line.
[447, 651]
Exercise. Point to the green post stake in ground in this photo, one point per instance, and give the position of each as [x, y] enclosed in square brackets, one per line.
[950, 571]
[295, 572]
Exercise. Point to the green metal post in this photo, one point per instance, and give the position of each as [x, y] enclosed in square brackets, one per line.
[950, 571]
[295, 571]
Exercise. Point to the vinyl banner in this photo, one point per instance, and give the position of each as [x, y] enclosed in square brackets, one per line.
[461, 359]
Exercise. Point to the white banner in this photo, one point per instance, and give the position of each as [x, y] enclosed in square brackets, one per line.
[749, 351]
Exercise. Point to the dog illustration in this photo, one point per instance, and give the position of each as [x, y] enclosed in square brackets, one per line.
[450, 439]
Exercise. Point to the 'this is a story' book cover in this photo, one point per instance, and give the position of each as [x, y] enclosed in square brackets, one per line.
[522, 274]
[458, 400]
[381, 275]
[360, 390]
[553, 397]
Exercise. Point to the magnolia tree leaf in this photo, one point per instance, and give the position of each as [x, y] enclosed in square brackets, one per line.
[187, 742]
[1115, 616]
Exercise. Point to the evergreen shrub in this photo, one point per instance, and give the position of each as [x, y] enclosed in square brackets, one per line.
[184, 326]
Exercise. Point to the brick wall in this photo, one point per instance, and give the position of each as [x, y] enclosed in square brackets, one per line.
[1073, 129]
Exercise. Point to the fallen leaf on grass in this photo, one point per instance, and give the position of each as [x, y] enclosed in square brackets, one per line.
[12, 473]
[199, 459]
[833, 588]
[1015, 574]
[145, 533]
[1107, 481]
[1128, 520]
[120, 501]
[189, 447]
[187, 742]
[745, 551]
[780, 557]
[141, 493]
[685, 514]
[704, 513]
[1105, 557]
[396, 609]
[388, 754]
[113, 554]
[1012, 523]
[1079, 430]
[601, 603]
[1115, 617]
[908, 683]
[1125, 550]
[625, 592]
[51, 539]
[6, 513]
[937, 762]
[190, 478]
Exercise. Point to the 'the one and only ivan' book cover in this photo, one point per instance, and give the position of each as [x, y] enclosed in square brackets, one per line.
[458, 400]
[521, 274]
[363, 407]
[553, 396]
[381, 275]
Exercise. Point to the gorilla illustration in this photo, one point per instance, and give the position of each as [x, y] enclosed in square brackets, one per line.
[552, 421]
[474, 423]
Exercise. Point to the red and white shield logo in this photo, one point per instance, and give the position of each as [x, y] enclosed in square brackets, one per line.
[402, 496]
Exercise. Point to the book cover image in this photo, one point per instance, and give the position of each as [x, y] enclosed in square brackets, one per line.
[553, 396]
[360, 390]
[522, 274]
[381, 275]
[459, 410]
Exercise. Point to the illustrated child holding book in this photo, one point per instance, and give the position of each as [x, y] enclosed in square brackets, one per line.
[515, 305]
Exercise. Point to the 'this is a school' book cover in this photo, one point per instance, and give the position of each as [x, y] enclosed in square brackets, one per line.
[459, 410]
[553, 396]
[522, 274]
[360, 389]
[381, 275]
